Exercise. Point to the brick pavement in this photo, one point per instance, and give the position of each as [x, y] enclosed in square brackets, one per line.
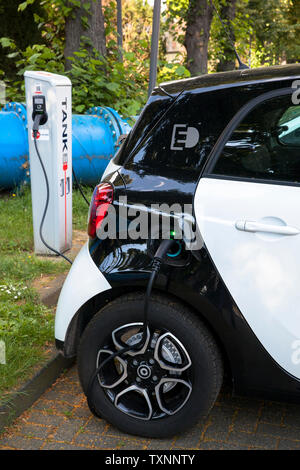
[60, 419]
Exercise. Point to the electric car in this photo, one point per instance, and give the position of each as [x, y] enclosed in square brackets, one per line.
[226, 145]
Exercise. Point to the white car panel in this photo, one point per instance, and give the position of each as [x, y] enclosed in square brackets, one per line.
[83, 282]
[260, 269]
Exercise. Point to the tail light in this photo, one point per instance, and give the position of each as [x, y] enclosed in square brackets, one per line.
[102, 197]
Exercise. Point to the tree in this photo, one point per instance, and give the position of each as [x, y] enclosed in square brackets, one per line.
[24, 31]
[85, 20]
[198, 23]
[227, 14]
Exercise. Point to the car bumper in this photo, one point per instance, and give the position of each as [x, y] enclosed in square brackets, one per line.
[83, 282]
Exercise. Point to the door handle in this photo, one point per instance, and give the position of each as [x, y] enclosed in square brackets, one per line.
[251, 226]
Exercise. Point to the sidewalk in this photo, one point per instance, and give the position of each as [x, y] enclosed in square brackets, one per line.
[60, 419]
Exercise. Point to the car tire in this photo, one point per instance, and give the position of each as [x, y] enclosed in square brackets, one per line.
[177, 339]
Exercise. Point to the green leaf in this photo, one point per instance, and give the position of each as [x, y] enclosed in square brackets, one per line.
[6, 42]
[112, 86]
[80, 108]
[22, 6]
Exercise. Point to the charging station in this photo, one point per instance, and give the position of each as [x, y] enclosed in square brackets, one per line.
[50, 96]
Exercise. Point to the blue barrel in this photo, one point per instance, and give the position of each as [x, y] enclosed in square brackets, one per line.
[14, 157]
[95, 139]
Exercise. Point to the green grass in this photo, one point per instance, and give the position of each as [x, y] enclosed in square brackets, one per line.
[26, 325]
[80, 208]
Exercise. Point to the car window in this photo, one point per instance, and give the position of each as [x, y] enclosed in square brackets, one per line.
[183, 139]
[265, 145]
[290, 127]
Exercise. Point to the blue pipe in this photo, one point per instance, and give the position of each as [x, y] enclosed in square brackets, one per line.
[94, 140]
[14, 153]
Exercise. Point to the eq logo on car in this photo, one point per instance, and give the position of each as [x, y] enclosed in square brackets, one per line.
[184, 136]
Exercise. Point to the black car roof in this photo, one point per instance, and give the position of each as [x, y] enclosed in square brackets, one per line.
[232, 77]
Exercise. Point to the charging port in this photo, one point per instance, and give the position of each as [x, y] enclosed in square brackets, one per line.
[175, 250]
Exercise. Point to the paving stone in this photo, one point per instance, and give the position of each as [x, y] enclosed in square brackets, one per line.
[246, 419]
[68, 430]
[66, 386]
[285, 432]
[272, 412]
[21, 443]
[37, 417]
[66, 397]
[220, 420]
[95, 425]
[82, 411]
[211, 445]
[54, 407]
[34, 430]
[114, 432]
[160, 444]
[286, 444]
[292, 416]
[191, 438]
[252, 439]
[97, 442]
[61, 446]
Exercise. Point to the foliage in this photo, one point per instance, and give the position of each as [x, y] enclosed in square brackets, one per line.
[97, 80]
[267, 32]
[23, 32]
[106, 81]
[173, 71]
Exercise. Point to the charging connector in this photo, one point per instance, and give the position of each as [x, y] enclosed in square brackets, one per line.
[39, 109]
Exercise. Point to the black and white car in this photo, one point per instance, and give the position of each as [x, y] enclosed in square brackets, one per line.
[228, 146]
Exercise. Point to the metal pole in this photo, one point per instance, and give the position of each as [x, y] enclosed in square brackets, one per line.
[119, 29]
[154, 45]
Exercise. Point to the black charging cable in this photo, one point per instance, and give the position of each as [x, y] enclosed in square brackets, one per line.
[35, 128]
[158, 260]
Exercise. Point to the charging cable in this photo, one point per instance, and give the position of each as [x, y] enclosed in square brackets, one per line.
[79, 187]
[35, 128]
[159, 258]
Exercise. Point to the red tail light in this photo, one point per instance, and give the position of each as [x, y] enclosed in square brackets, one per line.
[102, 197]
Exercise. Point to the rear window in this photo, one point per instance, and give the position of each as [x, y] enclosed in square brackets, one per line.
[183, 139]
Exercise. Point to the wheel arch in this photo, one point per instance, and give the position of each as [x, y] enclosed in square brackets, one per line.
[88, 310]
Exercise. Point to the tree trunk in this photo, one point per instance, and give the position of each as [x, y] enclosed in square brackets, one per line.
[199, 18]
[75, 29]
[227, 14]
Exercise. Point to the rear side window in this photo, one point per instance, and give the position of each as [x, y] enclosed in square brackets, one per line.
[151, 113]
[265, 145]
[181, 141]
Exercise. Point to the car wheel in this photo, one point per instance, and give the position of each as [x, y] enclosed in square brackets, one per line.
[165, 387]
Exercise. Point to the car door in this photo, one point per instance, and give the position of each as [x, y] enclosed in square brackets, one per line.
[247, 208]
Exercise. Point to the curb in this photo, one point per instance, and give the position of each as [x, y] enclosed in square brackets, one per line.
[33, 389]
